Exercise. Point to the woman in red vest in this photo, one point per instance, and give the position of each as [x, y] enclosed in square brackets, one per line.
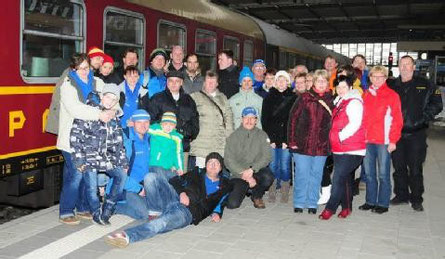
[347, 138]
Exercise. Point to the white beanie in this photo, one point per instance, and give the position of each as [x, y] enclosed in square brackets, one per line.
[282, 73]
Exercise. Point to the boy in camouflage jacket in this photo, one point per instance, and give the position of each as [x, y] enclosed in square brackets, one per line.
[99, 147]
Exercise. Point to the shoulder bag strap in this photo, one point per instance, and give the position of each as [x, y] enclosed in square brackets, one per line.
[217, 106]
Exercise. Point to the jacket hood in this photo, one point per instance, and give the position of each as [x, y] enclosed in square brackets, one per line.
[352, 94]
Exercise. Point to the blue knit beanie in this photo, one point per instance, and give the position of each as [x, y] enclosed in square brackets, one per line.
[140, 115]
[245, 73]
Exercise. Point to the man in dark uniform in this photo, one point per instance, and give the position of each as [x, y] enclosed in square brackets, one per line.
[421, 101]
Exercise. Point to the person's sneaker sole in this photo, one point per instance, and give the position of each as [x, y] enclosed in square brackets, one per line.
[71, 223]
[117, 242]
[86, 216]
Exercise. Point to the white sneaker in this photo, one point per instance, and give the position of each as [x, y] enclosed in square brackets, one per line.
[325, 195]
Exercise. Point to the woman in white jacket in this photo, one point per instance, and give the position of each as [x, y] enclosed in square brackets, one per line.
[347, 139]
[74, 91]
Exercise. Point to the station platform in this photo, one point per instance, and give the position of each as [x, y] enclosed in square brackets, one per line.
[275, 232]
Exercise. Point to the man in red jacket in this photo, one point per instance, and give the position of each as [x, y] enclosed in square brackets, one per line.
[383, 123]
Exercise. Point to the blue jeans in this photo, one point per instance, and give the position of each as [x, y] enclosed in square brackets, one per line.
[154, 189]
[73, 194]
[119, 177]
[173, 214]
[134, 206]
[344, 166]
[377, 164]
[307, 180]
[280, 165]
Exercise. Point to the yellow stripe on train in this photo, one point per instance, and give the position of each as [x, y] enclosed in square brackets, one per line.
[27, 152]
[15, 90]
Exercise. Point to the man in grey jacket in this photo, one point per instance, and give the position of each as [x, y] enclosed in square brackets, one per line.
[193, 80]
[247, 156]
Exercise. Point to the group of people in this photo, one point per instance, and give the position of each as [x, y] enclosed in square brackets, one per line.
[172, 146]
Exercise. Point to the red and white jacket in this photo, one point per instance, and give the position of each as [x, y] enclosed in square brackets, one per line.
[383, 119]
[347, 135]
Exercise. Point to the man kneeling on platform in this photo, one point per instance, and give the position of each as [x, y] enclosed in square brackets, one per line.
[179, 202]
[247, 156]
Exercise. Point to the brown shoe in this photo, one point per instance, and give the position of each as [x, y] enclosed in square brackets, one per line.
[259, 204]
[84, 215]
[71, 220]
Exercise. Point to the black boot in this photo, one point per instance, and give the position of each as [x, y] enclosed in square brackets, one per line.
[108, 209]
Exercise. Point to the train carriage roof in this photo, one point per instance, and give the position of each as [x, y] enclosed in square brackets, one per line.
[206, 12]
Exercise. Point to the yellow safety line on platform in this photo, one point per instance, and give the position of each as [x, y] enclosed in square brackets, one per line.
[15, 90]
[27, 152]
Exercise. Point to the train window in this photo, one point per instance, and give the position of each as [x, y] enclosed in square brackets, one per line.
[51, 32]
[248, 53]
[123, 29]
[232, 43]
[205, 48]
[171, 34]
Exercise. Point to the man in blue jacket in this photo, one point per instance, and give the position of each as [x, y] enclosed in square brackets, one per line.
[137, 147]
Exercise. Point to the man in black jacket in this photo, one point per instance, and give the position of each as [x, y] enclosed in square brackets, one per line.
[174, 99]
[421, 101]
[182, 201]
[228, 74]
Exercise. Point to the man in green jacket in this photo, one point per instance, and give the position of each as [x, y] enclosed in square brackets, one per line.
[247, 156]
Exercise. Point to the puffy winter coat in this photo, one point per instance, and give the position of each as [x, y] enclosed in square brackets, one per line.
[347, 135]
[228, 81]
[275, 114]
[97, 145]
[214, 127]
[201, 205]
[186, 113]
[309, 124]
[242, 100]
[383, 116]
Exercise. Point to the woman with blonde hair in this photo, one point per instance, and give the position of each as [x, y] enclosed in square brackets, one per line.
[308, 140]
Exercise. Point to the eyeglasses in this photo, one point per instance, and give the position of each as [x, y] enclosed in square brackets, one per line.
[84, 68]
[378, 77]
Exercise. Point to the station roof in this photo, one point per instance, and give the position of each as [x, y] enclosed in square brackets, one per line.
[348, 21]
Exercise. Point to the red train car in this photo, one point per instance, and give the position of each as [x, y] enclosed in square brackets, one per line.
[39, 36]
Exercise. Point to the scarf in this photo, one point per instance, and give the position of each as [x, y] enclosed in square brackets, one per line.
[131, 102]
[85, 88]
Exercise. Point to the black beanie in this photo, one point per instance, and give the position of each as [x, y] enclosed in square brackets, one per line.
[217, 156]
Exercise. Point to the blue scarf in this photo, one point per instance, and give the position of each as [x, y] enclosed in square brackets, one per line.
[131, 102]
[85, 88]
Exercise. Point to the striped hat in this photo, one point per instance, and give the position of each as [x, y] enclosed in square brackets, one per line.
[140, 115]
[95, 51]
[168, 117]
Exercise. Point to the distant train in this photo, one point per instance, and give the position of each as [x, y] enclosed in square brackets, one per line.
[39, 37]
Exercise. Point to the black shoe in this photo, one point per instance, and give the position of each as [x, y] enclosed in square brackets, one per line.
[355, 188]
[417, 206]
[298, 210]
[312, 211]
[366, 206]
[379, 210]
[397, 201]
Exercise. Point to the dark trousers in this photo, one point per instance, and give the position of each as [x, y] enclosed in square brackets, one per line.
[341, 192]
[408, 161]
[327, 171]
[264, 179]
